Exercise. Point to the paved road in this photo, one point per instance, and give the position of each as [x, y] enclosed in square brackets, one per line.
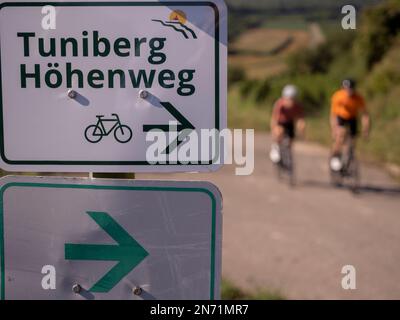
[297, 240]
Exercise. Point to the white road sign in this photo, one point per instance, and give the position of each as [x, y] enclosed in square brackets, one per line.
[85, 95]
[107, 239]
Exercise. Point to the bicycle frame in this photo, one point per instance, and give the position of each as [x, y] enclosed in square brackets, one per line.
[286, 153]
[349, 163]
[348, 151]
[100, 124]
[286, 165]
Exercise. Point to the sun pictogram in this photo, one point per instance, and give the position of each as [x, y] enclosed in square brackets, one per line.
[178, 15]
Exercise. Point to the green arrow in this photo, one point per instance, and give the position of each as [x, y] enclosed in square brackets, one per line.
[129, 253]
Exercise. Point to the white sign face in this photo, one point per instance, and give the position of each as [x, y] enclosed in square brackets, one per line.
[84, 96]
[94, 239]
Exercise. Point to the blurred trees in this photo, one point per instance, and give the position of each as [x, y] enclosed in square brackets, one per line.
[379, 27]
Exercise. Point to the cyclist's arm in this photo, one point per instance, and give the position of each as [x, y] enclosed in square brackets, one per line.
[333, 117]
[365, 123]
[274, 117]
[333, 121]
[365, 118]
[301, 126]
[300, 121]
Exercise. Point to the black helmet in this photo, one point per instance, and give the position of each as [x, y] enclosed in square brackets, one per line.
[349, 84]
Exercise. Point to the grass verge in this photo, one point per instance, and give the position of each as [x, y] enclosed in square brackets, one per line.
[231, 292]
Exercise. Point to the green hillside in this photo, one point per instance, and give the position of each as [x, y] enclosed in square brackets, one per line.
[245, 14]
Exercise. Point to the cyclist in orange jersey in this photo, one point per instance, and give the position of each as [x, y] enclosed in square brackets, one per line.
[346, 105]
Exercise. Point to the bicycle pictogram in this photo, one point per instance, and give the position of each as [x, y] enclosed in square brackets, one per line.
[95, 132]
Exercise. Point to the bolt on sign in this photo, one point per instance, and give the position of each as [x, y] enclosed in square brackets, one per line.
[109, 239]
[85, 95]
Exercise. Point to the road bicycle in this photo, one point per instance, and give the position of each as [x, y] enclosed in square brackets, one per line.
[285, 167]
[349, 171]
[95, 132]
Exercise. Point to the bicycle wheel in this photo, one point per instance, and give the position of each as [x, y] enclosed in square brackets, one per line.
[290, 167]
[93, 134]
[287, 161]
[123, 134]
[291, 170]
[354, 175]
[278, 170]
[336, 178]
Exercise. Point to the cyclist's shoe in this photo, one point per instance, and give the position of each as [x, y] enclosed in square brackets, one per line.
[275, 154]
[336, 163]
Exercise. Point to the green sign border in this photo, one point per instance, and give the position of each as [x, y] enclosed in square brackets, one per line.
[117, 4]
[103, 187]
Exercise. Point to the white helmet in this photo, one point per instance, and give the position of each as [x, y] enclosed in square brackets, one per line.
[290, 91]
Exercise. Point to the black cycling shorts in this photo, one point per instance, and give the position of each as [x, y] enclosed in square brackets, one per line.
[288, 128]
[351, 124]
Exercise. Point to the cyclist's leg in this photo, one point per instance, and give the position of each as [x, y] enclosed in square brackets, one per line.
[353, 170]
[289, 162]
[288, 137]
[353, 133]
[278, 134]
[340, 136]
[353, 127]
[291, 134]
[336, 163]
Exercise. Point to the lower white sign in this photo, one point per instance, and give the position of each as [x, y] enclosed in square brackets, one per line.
[109, 239]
